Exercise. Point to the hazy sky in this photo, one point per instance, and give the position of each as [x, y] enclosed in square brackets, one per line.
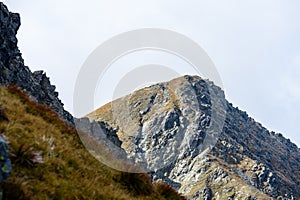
[255, 45]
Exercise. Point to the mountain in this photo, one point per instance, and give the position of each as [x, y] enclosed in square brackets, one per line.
[14, 72]
[186, 134]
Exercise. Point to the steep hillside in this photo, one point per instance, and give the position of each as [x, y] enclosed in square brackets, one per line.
[50, 162]
[166, 128]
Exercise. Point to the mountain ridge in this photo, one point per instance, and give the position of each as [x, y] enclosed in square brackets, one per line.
[13, 71]
[263, 160]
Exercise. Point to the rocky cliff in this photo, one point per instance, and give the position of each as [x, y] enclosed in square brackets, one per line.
[14, 72]
[171, 130]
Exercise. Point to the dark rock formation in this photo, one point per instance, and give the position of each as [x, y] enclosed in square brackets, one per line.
[14, 72]
[5, 165]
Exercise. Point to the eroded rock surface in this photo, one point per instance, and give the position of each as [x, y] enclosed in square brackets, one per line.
[170, 129]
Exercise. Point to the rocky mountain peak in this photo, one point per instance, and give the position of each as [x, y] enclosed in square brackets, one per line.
[185, 133]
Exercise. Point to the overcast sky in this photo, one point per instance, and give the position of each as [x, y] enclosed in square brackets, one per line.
[255, 45]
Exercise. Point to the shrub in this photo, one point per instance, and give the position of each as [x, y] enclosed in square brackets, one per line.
[136, 183]
[167, 191]
[15, 189]
[24, 155]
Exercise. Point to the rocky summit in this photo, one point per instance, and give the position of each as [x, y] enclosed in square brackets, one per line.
[14, 72]
[186, 134]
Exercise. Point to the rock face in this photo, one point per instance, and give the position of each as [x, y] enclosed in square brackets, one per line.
[171, 130]
[5, 164]
[14, 72]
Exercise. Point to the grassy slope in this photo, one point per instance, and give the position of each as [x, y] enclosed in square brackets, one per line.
[68, 171]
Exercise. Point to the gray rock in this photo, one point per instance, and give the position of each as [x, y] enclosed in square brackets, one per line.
[13, 71]
[5, 165]
[204, 194]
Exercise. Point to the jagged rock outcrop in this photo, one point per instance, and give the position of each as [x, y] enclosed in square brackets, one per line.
[168, 127]
[14, 72]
